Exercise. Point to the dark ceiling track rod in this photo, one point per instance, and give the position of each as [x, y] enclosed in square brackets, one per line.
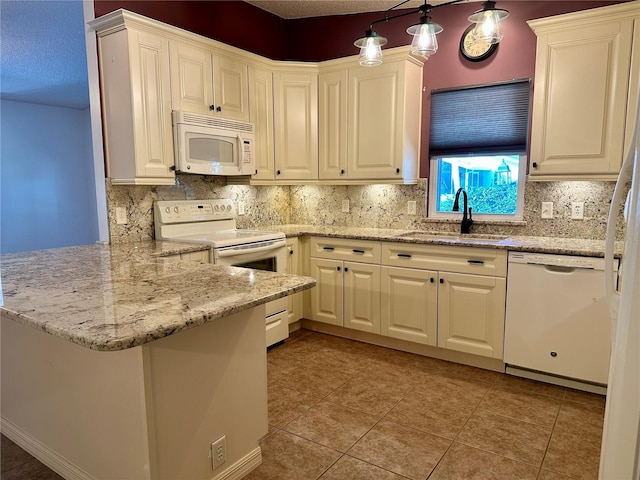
[423, 9]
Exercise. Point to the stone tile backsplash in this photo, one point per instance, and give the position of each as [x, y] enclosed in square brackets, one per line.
[383, 206]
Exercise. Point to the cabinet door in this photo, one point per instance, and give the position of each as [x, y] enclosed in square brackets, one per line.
[580, 101]
[375, 125]
[261, 115]
[327, 295]
[296, 125]
[362, 297]
[332, 128]
[230, 88]
[471, 313]
[294, 302]
[191, 80]
[409, 304]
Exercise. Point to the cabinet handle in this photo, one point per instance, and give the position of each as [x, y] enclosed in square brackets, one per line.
[534, 164]
[346, 269]
[355, 250]
[404, 255]
[476, 262]
[341, 172]
[256, 172]
[328, 249]
[291, 252]
[277, 172]
[212, 107]
[397, 170]
[431, 279]
[218, 109]
[338, 269]
[442, 280]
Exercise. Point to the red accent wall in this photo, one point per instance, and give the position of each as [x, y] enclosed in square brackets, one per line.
[321, 38]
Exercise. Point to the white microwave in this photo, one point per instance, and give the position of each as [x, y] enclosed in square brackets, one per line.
[212, 146]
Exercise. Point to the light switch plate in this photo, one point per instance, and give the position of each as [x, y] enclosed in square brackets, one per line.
[240, 208]
[345, 206]
[547, 210]
[121, 216]
[411, 207]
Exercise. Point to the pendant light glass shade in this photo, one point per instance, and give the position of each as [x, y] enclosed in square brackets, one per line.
[424, 37]
[370, 49]
[488, 23]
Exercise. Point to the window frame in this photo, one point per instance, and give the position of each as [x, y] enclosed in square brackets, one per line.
[434, 175]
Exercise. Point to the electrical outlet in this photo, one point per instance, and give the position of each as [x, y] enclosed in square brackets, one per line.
[411, 207]
[121, 216]
[218, 452]
[547, 210]
[240, 208]
[345, 206]
[577, 210]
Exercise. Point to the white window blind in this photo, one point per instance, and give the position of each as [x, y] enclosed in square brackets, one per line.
[478, 119]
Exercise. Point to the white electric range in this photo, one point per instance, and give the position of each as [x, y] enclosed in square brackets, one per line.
[213, 222]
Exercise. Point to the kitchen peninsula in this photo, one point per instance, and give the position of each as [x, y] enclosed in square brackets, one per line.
[121, 362]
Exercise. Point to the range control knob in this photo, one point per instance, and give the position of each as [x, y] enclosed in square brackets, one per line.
[167, 209]
[176, 209]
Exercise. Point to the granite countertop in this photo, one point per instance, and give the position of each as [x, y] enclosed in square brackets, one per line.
[114, 297]
[555, 245]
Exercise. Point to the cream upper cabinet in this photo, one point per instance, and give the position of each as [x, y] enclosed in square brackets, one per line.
[207, 83]
[295, 98]
[585, 92]
[261, 115]
[370, 119]
[136, 104]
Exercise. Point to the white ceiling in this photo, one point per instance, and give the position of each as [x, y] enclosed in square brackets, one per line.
[43, 58]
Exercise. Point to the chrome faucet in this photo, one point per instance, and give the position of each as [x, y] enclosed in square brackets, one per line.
[466, 223]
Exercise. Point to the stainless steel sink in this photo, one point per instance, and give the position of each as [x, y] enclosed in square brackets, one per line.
[453, 236]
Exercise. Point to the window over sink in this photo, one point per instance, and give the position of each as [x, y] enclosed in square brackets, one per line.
[478, 142]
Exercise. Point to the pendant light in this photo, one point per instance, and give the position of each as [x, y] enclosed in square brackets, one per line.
[488, 23]
[424, 37]
[370, 48]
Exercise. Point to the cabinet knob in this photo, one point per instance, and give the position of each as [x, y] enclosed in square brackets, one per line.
[212, 107]
[218, 109]
[338, 269]
[256, 172]
[341, 172]
[432, 280]
[346, 269]
[442, 280]
[397, 170]
[291, 252]
[554, 354]
[534, 164]
[277, 172]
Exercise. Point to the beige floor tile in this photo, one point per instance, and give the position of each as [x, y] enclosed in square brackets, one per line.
[462, 462]
[577, 416]
[515, 439]
[400, 449]
[592, 400]
[522, 405]
[517, 384]
[547, 475]
[458, 389]
[432, 415]
[332, 425]
[286, 404]
[353, 469]
[573, 452]
[368, 396]
[289, 457]
[315, 380]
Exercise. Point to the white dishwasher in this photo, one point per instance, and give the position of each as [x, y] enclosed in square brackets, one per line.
[557, 319]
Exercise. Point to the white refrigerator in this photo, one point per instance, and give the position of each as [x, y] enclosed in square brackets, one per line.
[620, 454]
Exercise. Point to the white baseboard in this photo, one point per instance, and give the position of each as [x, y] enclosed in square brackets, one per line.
[242, 467]
[44, 454]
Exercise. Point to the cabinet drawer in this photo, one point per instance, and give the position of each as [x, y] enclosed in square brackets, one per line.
[364, 251]
[480, 261]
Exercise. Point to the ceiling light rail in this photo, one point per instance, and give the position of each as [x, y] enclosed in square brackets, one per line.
[488, 29]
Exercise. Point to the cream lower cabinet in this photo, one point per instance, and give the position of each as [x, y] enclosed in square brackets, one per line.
[409, 304]
[471, 311]
[348, 292]
[294, 302]
[585, 93]
[449, 297]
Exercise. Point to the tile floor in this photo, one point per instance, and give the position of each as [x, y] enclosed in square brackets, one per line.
[341, 410]
[344, 410]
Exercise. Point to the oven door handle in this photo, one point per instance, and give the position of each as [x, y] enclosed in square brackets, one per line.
[230, 252]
